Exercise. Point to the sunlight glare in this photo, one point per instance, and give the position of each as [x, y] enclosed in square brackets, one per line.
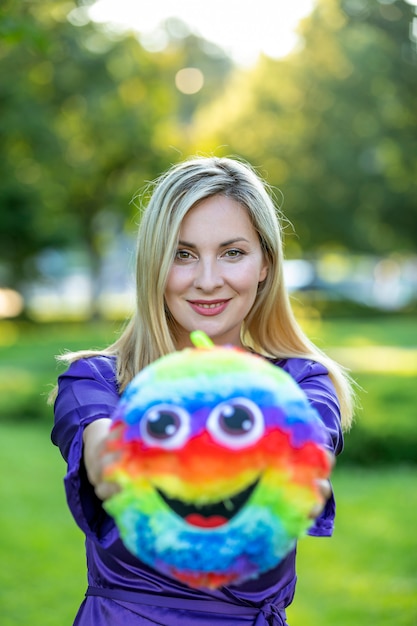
[243, 29]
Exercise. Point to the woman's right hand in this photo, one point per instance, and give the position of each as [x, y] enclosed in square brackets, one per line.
[97, 458]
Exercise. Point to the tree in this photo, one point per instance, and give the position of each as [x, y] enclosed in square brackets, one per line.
[87, 117]
[333, 125]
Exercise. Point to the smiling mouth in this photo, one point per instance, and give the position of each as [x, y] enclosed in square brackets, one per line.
[208, 308]
[208, 305]
[209, 515]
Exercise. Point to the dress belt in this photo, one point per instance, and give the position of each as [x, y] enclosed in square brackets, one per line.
[267, 615]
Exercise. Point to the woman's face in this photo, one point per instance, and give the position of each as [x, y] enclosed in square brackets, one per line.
[213, 281]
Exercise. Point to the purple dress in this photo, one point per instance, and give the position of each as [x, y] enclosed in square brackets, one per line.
[123, 591]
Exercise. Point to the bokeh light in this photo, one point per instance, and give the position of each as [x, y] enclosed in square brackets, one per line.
[189, 80]
[11, 303]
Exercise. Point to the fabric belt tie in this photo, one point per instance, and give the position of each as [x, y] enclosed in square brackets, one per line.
[267, 615]
[271, 615]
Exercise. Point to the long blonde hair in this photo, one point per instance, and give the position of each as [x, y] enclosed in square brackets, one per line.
[270, 328]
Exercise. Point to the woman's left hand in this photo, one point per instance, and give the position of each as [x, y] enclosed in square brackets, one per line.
[325, 489]
[99, 456]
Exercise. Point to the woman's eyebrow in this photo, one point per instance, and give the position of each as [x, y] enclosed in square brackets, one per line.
[230, 242]
[186, 244]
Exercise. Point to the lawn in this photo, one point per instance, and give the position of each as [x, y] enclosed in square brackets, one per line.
[42, 574]
[365, 575]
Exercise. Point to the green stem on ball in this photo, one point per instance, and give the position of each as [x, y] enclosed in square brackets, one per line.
[200, 339]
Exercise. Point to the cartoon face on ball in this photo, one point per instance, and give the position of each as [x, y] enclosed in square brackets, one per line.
[220, 451]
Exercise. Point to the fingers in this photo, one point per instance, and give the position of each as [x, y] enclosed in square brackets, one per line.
[331, 458]
[325, 490]
[101, 454]
[315, 511]
[106, 489]
[113, 439]
[107, 463]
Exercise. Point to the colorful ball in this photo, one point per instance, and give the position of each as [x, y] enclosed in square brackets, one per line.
[219, 455]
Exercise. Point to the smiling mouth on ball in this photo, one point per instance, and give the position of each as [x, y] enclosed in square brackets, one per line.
[210, 515]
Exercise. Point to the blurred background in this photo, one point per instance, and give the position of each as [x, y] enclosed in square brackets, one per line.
[96, 100]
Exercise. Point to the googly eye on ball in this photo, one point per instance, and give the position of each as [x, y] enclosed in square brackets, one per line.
[220, 452]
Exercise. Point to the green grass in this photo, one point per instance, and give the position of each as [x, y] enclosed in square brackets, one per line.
[360, 333]
[42, 575]
[365, 575]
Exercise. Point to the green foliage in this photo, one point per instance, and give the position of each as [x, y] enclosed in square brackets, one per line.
[89, 115]
[381, 354]
[28, 368]
[385, 428]
[87, 118]
[333, 125]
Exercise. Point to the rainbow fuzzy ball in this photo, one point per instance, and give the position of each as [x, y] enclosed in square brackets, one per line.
[219, 455]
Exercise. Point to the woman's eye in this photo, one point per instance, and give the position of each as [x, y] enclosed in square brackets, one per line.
[236, 423]
[165, 426]
[182, 254]
[233, 254]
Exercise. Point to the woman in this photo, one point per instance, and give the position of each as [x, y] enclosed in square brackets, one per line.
[209, 257]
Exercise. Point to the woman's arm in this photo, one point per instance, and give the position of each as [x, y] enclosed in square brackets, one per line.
[87, 397]
[314, 380]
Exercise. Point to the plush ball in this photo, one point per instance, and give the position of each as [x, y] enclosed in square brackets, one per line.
[219, 455]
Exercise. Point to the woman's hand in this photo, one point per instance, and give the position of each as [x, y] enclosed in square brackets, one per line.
[97, 458]
[325, 489]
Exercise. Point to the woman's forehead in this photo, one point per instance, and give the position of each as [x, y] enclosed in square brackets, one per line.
[217, 215]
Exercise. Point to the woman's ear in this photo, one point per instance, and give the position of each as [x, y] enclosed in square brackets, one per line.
[263, 272]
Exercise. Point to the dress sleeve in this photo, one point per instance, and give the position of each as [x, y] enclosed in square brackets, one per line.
[314, 380]
[87, 391]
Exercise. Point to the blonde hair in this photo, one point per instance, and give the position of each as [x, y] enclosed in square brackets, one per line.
[270, 328]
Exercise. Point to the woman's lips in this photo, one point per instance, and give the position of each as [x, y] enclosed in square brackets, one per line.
[208, 308]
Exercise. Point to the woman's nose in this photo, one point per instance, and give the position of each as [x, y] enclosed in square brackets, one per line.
[208, 275]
